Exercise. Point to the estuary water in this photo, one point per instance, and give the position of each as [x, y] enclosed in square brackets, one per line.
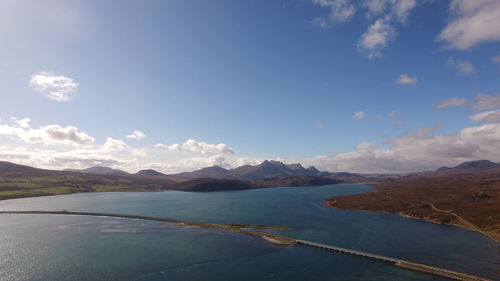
[57, 247]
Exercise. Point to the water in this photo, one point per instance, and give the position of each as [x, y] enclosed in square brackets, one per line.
[48, 247]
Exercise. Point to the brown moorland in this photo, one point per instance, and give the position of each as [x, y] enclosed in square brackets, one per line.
[468, 198]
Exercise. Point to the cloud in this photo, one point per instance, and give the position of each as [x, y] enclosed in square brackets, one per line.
[473, 23]
[198, 147]
[48, 135]
[484, 101]
[418, 151]
[366, 145]
[53, 86]
[340, 11]
[381, 32]
[452, 102]
[400, 9]
[114, 145]
[377, 37]
[461, 66]
[487, 117]
[359, 115]
[137, 135]
[23, 123]
[404, 79]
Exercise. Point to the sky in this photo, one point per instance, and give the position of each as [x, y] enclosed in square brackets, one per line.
[369, 86]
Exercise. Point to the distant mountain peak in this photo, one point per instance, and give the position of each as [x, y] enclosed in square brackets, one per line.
[150, 172]
[313, 169]
[100, 170]
[476, 165]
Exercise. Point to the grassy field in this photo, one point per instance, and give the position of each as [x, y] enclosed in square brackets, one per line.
[15, 187]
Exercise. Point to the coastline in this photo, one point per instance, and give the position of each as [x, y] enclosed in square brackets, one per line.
[358, 205]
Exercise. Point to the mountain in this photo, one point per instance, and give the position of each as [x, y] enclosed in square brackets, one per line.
[214, 172]
[264, 170]
[99, 170]
[468, 167]
[150, 172]
[24, 181]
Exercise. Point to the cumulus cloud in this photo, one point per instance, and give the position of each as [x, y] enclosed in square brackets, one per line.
[48, 135]
[452, 102]
[418, 151]
[340, 11]
[137, 135]
[461, 66]
[400, 9]
[485, 101]
[492, 116]
[114, 145]
[198, 147]
[388, 14]
[53, 86]
[366, 145]
[472, 23]
[405, 79]
[359, 115]
[377, 37]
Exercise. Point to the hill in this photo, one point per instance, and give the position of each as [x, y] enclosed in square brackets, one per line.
[99, 170]
[150, 172]
[467, 195]
[268, 169]
[23, 181]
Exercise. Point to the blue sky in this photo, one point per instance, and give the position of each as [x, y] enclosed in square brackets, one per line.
[247, 81]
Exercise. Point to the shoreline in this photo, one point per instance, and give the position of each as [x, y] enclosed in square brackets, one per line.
[471, 227]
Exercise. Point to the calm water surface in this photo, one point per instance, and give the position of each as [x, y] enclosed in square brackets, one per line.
[48, 247]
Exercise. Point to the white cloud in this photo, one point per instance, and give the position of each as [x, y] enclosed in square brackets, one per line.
[377, 37]
[380, 32]
[461, 66]
[359, 115]
[366, 145]
[452, 102]
[340, 11]
[137, 135]
[492, 116]
[418, 151]
[400, 9]
[405, 79]
[473, 22]
[113, 145]
[56, 87]
[484, 101]
[23, 123]
[48, 135]
[198, 147]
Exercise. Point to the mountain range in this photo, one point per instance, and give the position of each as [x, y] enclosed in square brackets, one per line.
[22, 181]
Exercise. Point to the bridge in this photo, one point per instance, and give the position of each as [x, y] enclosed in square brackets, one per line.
[282, 240]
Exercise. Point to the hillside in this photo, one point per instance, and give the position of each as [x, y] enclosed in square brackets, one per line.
[23, 181]
[268, 169]
[467, 195]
